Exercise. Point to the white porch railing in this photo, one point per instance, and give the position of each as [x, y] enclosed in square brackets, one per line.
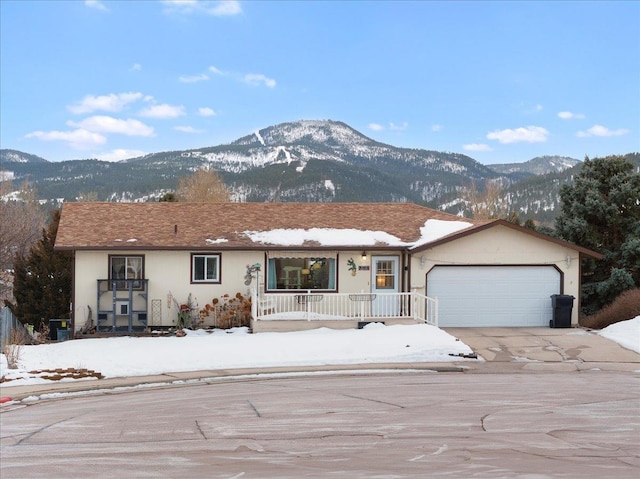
[335, 306]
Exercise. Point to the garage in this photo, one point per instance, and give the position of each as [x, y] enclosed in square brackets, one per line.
[502, 296]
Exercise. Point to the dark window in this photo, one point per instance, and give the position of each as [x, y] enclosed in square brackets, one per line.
[126, 268]
[205, 268]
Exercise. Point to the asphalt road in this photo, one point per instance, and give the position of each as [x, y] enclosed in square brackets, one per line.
[393, 425]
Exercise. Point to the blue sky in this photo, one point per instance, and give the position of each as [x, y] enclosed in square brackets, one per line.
[498, 81]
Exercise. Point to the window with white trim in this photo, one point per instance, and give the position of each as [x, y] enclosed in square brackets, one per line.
[205, 268]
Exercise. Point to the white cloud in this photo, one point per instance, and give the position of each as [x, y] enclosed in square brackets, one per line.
[163, 111]
[530, 134]
[136, 67]
[187, 129]
[98, 5]
[119, 155]
[112, 102]
[108, 124]
[603, 131]
[393, 126]
[477, 147]
[225, 8]
[206, 111]
[193, 78]
[215, 8]
[80, 139]
[257, 79]
[251, 79]
[567, 115]
[436, 127]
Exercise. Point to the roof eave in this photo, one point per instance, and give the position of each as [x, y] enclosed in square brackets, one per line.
[500, 222]
[260, 247]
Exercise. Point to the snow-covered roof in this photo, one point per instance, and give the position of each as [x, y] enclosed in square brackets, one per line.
[95, 225]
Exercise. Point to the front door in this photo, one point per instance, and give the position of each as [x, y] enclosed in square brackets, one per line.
[384, 282]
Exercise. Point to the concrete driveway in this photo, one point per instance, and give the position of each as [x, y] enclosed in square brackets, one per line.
[540, 349]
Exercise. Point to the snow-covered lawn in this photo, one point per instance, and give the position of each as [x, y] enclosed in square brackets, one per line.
[625, 333]
[233, 349]
[200, 350]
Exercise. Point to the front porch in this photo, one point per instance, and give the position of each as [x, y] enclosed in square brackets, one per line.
[273, 312]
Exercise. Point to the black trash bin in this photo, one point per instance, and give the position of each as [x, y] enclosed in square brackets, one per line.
[562, 305]
[56, 325]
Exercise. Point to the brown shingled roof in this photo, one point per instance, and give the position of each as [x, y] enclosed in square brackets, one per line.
[166, 225]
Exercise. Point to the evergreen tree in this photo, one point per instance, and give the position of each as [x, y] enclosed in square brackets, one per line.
[168, 197]
[42, 284]
[601, 211]
[514, 218]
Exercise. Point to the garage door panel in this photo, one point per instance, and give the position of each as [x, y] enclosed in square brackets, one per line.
[471, 296]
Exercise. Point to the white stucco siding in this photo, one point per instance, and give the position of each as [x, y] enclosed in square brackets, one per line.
[169, 276]
[501, 245]
[89, 267]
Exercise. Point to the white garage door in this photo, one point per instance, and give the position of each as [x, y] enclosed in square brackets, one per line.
[471, 296]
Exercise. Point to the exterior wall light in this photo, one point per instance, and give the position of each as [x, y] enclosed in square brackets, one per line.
[364, 256]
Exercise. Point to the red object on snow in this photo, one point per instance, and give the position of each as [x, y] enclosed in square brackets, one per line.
[4, 400]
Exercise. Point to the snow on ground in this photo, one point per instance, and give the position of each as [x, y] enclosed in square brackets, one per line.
[237, 348]
[625, 333]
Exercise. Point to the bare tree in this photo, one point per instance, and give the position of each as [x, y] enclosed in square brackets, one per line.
[204, 186]
[488, 203]
[21, 223]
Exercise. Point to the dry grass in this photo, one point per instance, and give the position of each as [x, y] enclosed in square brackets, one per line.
[624, 307]
[12, 348]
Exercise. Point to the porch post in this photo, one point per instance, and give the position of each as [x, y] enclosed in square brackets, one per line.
[254, 303]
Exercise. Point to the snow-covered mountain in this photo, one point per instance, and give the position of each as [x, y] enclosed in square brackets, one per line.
[303, 141]
[321, 161]
[540, 165]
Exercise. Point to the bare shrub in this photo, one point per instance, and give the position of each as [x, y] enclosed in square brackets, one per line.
[229, 311]
[625, 306]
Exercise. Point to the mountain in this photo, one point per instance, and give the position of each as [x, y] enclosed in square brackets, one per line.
[540, 165]
[324, 161]
[9, 157]
[320, 161]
